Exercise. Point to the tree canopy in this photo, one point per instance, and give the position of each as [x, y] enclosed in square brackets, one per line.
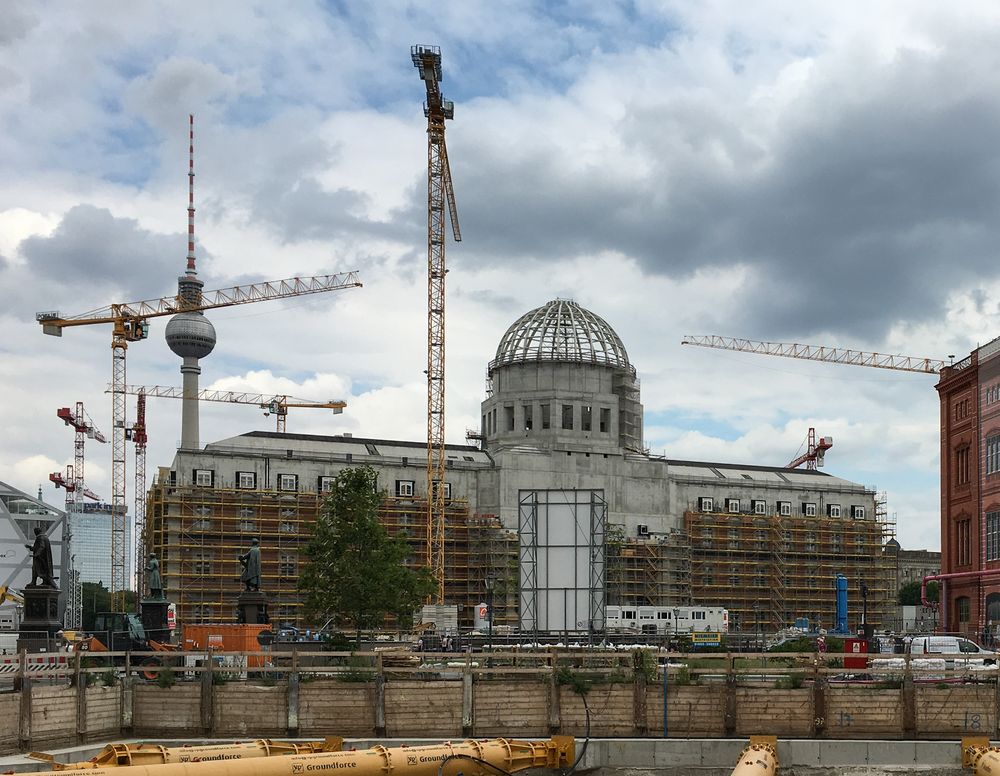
[355, 573]
[96, 598]
[909, 594]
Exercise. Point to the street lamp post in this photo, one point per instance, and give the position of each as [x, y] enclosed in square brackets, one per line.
[490, 584]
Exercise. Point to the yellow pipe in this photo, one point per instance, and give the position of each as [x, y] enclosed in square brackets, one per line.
[980, 756]
[509, 755]
[119, 755]
[760, 758]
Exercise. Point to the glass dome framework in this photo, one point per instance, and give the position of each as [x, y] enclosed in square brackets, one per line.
[561, 331]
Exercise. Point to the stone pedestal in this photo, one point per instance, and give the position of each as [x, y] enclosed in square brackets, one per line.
[154, 619]
[251, 608]
[40, 622]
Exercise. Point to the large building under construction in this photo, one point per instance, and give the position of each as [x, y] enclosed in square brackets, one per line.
[556, 513]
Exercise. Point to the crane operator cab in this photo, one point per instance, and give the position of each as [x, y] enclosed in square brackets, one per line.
[120, 631]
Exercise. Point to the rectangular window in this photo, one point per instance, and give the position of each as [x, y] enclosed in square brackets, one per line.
[586, 413]
[289, 482]
[246, 480]
[202, 563]
[546, 419]
[404, 488]
[962, 465]
[288, 564]
[706, 505]
[733, 505]
[993, 536]
[993, 454]
[962, 604]
[963, 529]
[248, 512]
[527, 417]
[447, 490]
[809, 509]
[759, 507]
[286, 527]
[567, 416]
[508, 417]
[248, 526]
[605, 420]
[493, 420]
[784, 508]
[204, 478]
[858, 513]
[486, 429]
[324, 484]
[833, 510]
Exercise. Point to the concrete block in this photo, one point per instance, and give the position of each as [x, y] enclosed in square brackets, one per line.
[837, 753]
[891, 752]
[938, 753]
[721, 752]
[631, 752]
[675, 754]
[801, 753]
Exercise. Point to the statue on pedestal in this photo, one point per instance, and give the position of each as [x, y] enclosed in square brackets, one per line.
[41, 560]
[153, 577]
[250, 561]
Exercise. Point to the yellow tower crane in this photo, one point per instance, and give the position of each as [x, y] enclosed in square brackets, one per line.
[272, 404]
[130, 323]
[427, 60]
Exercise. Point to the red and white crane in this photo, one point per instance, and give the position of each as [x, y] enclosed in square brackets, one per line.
[815, 451]
[84, 429]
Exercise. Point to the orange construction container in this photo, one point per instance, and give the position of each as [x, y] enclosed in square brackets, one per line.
[226, 637]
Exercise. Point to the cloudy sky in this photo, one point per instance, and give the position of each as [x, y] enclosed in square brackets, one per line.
[793, 171]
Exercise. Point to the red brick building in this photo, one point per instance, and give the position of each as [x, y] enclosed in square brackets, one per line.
[969, 391]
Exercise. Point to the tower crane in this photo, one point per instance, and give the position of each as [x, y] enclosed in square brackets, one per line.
[815, 451]
[427, 60]
[137, 434]
[130, 323]
[84, 429]
[818, 353]
[76, 490]
[272, 404]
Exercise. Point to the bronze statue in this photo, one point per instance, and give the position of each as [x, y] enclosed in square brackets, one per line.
[153, 578]
[250, 561]
[41, 560]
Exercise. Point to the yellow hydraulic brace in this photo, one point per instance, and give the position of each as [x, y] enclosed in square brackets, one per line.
[760, 758]
[125, 755]
[451, 758]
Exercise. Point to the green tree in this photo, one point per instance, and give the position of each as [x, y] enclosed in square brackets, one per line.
[355, 572]
[909, 594]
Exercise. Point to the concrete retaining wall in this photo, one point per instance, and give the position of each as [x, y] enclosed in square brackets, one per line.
[53, 716]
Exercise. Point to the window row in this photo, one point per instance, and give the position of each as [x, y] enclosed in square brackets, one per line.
[244, 480]
[561, 416]
[759, 507]
[407, 489]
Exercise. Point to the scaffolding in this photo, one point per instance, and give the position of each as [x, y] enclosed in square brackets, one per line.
[199, 533]
[648, 571]
[768, 570]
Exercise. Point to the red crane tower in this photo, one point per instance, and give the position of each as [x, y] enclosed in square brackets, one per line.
[84, 429]
[815, 451]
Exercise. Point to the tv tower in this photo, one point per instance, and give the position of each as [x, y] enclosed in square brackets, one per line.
[190, 334]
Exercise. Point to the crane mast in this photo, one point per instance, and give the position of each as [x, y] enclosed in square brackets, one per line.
[139, 439]
[427, 60]
[818, 353]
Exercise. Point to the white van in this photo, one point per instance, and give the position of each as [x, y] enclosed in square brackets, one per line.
[945, 645]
